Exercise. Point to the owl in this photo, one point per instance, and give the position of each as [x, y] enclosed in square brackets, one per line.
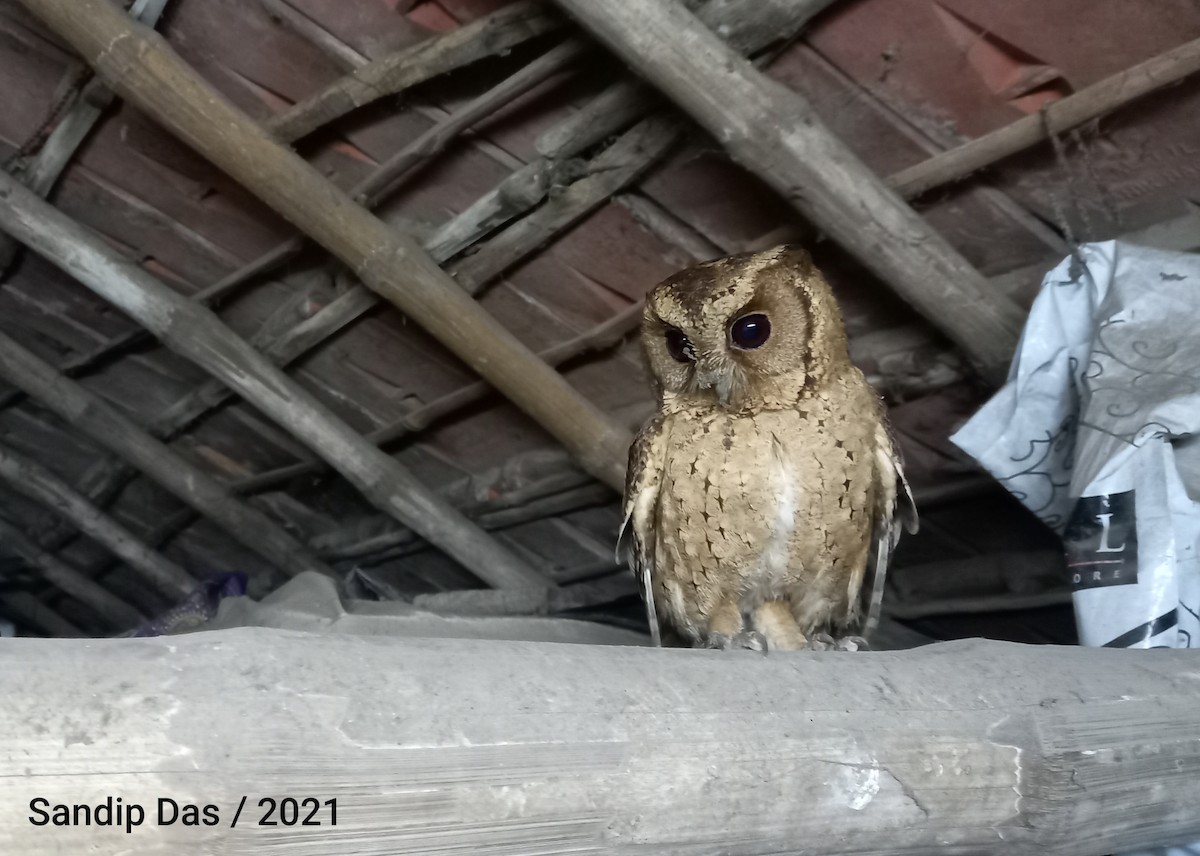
[766, 494]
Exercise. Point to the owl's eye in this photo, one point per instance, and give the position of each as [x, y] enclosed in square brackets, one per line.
[750, 331]
[679, 347]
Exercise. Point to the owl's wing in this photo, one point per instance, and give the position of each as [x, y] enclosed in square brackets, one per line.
[643, 477]
[894, 511]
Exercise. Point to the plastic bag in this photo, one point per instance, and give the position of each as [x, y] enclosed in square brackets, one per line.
[1091, 433]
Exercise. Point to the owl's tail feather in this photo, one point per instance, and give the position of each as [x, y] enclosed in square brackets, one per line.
[627, 543]
[651, 612]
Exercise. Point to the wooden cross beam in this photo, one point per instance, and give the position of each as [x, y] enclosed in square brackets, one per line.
[103, 424]
[197, 334]
[29, 478]
[774, 132]
[114, 612]
[143, 69]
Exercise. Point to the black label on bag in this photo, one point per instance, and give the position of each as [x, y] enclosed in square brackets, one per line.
[1101, 542]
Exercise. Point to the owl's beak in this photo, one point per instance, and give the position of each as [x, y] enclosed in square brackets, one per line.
[716, 378]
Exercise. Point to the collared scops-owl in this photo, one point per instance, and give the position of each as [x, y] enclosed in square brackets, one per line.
[764, 497]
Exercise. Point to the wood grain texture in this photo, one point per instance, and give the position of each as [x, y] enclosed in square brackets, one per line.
[810, 167]
[141, 66]
[443, 745]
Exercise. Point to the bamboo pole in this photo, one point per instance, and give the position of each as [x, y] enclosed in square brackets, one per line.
[810, 167]
[115, 612]
[30, 479]
[102, 423]
[490, 35]
[290, 345]
[73, 128]
[1056, 117]
[477, 746]
[385, 178]
[748, 25]
[604, 335]
[197, 334]
[142, 68]
[375, 187]
[622, 163]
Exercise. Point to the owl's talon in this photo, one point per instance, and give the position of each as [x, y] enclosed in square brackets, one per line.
[852, 643]
[718, 641]
[821, 642]
[751, 640]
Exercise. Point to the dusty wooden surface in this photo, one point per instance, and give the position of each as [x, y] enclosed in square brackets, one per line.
[525, 748]
[813, 170]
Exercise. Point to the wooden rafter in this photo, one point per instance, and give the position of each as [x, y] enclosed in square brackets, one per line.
[810, 167]
[1093, 101]
[27, 477]
[490, 35]
[114, 612]
[98, 421]
[197, 334]
[141, 66]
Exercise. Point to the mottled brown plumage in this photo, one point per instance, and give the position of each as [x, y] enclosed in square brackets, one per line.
[767, 487]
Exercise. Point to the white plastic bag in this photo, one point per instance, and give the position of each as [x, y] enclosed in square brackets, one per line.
[1091, 430]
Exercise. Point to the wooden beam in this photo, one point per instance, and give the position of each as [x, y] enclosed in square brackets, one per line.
[30, 479]
[1093, 101]
[810, 167]
[141, 66]
[115, 613]
[604, 335]
[490, 35]
[748, 25]
[548, 497]
[195, 333]
[103, 424]
[615, 168]
[90, 103]
[524, 747]
[931, 139]
[385, 178]
[375, 187]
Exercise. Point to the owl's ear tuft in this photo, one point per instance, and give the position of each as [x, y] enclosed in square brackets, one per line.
[796, 258]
